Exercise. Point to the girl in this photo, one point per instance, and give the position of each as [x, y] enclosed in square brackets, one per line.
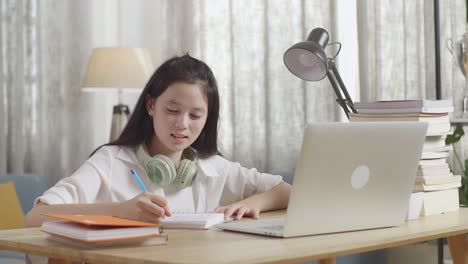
[171, 142]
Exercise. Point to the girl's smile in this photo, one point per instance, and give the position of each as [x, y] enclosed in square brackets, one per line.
[178, 138]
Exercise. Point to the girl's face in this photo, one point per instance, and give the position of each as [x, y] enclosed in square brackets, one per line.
[179, 115]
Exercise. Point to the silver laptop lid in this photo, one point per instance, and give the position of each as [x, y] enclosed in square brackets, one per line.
[353, 176]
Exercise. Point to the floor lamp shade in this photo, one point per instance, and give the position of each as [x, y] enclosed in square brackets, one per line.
[119, 69]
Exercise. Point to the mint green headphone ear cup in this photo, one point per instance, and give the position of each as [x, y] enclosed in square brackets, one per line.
[161, 170]
[186, 173]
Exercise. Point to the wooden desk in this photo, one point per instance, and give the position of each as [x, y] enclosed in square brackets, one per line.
[215, 246]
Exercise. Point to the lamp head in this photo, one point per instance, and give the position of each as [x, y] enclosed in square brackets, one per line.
[307, 60]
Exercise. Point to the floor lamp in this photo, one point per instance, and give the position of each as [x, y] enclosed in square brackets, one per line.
[118, 69]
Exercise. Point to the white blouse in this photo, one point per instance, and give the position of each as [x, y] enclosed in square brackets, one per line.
[106, 177]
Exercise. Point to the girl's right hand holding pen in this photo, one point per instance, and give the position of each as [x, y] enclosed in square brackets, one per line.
[147, 207]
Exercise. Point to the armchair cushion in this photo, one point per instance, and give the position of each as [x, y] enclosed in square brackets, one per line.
[12, 212]
[28, 187]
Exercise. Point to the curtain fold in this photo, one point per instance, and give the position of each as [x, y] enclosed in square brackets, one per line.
[396, 50]
[41, 63]
[19, 83]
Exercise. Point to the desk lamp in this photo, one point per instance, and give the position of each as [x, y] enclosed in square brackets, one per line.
[121, 70]
[308, 61]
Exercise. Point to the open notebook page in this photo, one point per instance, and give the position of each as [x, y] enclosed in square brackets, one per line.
[193, 220]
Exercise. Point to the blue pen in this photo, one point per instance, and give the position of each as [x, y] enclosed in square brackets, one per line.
[137, 178]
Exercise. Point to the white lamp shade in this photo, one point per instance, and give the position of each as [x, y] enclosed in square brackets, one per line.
[118, 68]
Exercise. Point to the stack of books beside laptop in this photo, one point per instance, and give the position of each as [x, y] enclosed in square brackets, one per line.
[436, 188]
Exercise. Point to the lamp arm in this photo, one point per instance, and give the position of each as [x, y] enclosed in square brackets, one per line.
[339, 97]
[343, 87]
[334, 77]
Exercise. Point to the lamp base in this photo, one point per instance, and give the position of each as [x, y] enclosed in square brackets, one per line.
[120, 116]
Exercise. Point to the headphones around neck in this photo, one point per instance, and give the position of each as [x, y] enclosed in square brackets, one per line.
[161, 170]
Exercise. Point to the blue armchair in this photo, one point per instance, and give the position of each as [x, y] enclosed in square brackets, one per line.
[28, 187]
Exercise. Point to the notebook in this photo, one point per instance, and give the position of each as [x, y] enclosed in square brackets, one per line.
[349, 176]
[101, 231]
[192, 220]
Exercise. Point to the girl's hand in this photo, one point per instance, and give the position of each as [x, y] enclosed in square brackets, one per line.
[239, 210]
[147, 207]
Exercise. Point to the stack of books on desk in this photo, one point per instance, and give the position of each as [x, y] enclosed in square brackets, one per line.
[96, 231]
[436, 188]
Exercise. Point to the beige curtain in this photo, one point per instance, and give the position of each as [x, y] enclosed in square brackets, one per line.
[264, 107]
[49, 127]
[397, 51]
[44, 122]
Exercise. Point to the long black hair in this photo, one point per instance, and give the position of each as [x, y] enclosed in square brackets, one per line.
[185, 68]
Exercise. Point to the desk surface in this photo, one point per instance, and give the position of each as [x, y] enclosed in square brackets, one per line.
[198, 246]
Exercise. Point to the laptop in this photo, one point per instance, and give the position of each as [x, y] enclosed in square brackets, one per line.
[349, 176]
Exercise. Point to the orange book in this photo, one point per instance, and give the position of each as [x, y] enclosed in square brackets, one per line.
[101, 230]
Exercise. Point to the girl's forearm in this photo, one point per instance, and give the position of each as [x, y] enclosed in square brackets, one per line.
[274, 199]
[35, 217]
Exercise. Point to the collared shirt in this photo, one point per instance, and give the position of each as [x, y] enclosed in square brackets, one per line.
[106, 177]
